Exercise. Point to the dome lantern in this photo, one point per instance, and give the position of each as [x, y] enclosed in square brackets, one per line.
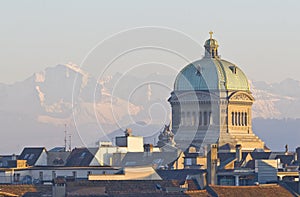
[211, 47]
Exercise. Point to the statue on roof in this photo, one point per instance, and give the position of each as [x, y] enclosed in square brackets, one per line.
[166, 137]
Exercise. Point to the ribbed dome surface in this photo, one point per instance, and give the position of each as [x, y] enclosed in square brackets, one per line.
[211, 74]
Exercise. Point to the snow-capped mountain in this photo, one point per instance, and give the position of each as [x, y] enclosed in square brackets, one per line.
[34, 112]
[276, 100]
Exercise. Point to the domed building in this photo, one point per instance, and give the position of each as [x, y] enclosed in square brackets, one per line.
[212, 103]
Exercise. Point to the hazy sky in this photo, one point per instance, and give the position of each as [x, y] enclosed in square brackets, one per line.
[262, 37]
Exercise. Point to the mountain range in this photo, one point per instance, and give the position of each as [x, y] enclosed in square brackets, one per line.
[38, 110]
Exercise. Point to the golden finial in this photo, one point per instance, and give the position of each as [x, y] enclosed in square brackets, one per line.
[211, 33]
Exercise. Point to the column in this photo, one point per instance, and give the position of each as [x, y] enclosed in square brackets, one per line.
[200, 118]
[210, 119]
[237, 180]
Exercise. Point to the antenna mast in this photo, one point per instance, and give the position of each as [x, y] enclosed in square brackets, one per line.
[70, 137]
[65, 137]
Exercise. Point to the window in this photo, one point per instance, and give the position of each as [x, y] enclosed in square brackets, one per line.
[31, 156]
[41, 176]
[235, 119]
[194, 119]
[182, 118]
[188, 117]
[82, 155]
[233, 69]
[16, 177]
[242, 119]
[239, 119]
[200, 118]
[232, 118]
[53, 175]
[205, 118]
[26, 156]
[198, 70]
[188, 161]
[74, 174]
[246, 120]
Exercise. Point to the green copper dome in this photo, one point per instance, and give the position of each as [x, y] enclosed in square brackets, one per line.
[211, 73]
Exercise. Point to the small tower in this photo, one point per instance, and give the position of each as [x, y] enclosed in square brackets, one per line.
[211, 47]
[212, 164]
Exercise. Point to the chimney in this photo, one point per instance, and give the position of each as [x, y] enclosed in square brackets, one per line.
[128, 132]
[286, 149]
[13, 157]
[238, 152]
[297, 154]
[212, 164]
[148, 148]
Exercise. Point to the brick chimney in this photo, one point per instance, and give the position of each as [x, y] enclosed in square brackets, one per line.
[238, 152]
[212, 164]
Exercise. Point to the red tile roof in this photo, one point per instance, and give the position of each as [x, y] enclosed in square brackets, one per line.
[269, 190]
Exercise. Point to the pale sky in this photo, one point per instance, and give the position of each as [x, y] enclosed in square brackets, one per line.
[262, 37]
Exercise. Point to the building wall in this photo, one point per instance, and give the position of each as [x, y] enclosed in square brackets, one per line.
[42, 160]
[195, 119]
[48, 174]
[5, 177]
[104, 155]
[130, 173]
[266, 170]
[135, 144]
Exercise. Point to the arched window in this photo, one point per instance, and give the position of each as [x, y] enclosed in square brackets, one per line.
[188, 119]
[235, 119]
[232, 118]
[200, 119]
[242, 118]
[182, 118]
[205, 118]
[194, 118]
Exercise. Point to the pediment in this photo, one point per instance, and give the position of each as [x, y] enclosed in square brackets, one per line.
[241, 96]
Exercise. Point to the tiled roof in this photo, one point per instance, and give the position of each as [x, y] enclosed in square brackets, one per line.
[260, 155]
[31, 155]
[120, 188]
[226, 156]
[20, 190]
[248, 191]
[81, 156]
[179, 175]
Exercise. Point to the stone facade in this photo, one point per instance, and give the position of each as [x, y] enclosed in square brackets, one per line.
[212, 103]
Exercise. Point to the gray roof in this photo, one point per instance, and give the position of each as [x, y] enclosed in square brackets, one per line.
[155, 159]
[4, 160]
[31, 155]
[81, 156]
[57, 158]
[57, 149]
[180, 175]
